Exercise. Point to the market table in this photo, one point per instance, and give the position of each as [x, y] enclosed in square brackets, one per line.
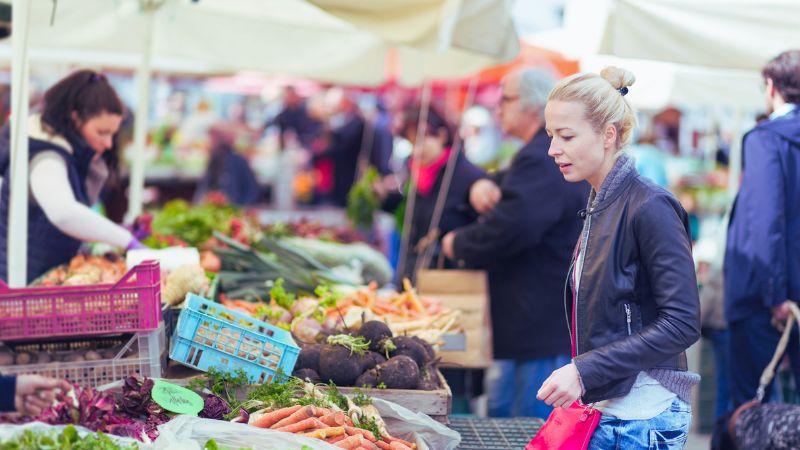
[495, 433]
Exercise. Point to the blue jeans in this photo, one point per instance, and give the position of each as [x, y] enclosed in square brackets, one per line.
[666, 431]
[512, 385]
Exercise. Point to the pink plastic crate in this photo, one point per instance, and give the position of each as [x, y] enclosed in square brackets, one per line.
[132, 304]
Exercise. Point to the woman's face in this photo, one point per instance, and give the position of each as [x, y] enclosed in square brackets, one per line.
[431, 147]
[580, 152]
[99, 131]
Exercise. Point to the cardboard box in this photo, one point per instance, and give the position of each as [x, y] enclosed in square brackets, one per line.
[468, 291]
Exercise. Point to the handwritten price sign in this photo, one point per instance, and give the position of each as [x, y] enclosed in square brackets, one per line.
[176, 399]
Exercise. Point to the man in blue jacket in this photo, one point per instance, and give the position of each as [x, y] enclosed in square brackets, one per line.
[762, 257]
[28, 394]
[525, 241]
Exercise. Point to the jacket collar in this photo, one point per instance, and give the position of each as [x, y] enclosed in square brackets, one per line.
[624, 169]
[38, 131]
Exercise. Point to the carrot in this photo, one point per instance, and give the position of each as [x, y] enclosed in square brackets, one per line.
[369, 446]
[383, 445]
[321, 412]
[325, 433]
[302, 425]
[396, 445]
[336, 439]
[301, 414]
[334, 419]
[350, 443]
[268, 419]
[353, 431]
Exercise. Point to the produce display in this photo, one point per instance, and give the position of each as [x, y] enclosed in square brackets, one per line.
[319, 283]
[248, 272]
[180, 223]
[308, 229]
[85, 269]
[373, 357]
[300, 407]
[24, 357]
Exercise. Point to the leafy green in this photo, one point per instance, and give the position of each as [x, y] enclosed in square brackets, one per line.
[67, 439]
[193, 224]
[369, 424]
[362, 201]
[360, 398]
[328, 298]
[279, 294]
[211, 444]
[222, 384]
[333, 395]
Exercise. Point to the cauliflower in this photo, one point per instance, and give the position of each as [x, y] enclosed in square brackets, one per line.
[183, 280]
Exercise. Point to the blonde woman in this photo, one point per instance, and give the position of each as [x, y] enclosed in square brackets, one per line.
[632, 303]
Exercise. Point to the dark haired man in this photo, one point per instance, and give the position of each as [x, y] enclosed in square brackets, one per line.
[762, 255]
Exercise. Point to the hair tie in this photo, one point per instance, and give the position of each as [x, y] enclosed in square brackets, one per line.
[623, 90]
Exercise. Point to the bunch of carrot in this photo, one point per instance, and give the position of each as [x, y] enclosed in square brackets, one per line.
[406, 305]
[333, 427]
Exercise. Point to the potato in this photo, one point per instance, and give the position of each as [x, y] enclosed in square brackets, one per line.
[6, 358]
[108, 354]
[43, 358]
[73, 357]
[92, 355]
[23, 358]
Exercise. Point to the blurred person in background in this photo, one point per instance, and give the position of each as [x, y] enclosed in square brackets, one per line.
[294, 119]
[227, 172]
[762, 255]
[429, 169]
[712, 319]
[72, 156]
[346, 128]
[480, 136]
[524, 240]
[650, 161]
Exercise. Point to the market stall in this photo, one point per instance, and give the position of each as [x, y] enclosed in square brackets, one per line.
[334, 49]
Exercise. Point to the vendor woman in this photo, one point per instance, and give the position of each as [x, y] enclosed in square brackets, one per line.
[72, 155]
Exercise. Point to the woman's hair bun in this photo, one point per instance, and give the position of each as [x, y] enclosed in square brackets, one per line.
[618, 77]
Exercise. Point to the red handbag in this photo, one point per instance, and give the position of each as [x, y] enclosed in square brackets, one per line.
[567, 429]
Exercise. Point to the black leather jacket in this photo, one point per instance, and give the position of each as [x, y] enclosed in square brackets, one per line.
[637, 306]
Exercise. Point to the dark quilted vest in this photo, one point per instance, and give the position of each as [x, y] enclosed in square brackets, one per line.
[47, 246]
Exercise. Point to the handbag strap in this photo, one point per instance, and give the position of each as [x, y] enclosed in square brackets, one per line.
[769, 372]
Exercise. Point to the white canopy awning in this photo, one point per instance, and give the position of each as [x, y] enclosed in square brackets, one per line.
[741, 34]
[333, 40]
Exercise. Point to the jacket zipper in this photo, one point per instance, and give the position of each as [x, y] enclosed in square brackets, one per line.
[628, 317]
[581, 259]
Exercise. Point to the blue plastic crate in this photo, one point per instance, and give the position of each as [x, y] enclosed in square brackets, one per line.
[211, 335]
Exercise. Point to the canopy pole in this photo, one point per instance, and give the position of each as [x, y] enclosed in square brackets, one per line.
[143, 75]
[18, 200]
[424, 261]
[412, 183]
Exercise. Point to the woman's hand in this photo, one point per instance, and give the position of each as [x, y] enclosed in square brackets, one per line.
[562, 387]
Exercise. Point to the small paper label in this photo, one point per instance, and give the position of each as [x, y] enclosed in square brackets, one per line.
[177, 399]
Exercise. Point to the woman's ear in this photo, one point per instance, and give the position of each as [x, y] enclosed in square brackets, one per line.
[76, 119]
[610, 137]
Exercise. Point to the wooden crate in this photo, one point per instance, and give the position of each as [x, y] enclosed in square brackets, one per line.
[437, 404]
